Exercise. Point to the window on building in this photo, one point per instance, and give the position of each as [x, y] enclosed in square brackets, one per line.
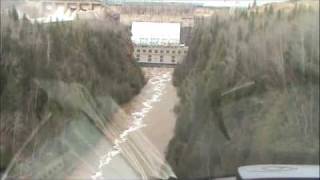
[168, 51]
[156, 51]
[138, 50]
[173, 52]
[150, 51]
[179, 51]
[161, 58]
[143, 50]
[161, 51]
[173, 59]
[149, 58]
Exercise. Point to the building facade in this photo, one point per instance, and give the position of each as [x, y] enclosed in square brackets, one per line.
[155, 33]
[157, 43]
[168, 55]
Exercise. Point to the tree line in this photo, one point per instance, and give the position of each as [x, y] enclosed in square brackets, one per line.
[249, 90]
[98, 55]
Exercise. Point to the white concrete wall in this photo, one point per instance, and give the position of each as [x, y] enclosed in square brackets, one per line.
[154, 33]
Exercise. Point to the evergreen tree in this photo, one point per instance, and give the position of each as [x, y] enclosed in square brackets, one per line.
[14, 14]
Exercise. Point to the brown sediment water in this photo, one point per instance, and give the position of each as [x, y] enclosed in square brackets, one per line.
[138, 135]
[160, 120]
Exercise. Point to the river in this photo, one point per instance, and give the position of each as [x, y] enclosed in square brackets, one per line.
[160, 120]
[139, 132]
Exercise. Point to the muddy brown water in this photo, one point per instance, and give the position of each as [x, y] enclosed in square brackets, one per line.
[137, 139]
[160, 120]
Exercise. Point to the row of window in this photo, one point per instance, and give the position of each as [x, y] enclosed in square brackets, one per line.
[161, 51]
[173, 58]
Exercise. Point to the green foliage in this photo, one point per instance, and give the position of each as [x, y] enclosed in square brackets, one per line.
[271, 10]
[249, 93]
[14, 14]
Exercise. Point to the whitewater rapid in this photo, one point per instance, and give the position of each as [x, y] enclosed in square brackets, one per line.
[158, 83]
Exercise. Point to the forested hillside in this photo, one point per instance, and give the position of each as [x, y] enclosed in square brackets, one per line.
[249, 93]
[60, 72]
